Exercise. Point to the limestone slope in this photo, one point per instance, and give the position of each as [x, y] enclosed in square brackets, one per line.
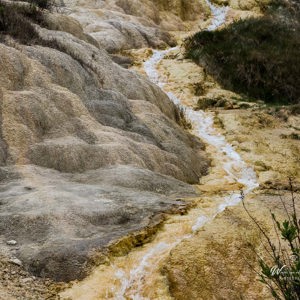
[125, 24]
[90, 151]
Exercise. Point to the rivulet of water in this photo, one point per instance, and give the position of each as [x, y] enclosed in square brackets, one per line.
[137, 275]
[235, 168]
[219, 15]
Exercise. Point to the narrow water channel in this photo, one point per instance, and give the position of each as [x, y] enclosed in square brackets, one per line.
[137, 276]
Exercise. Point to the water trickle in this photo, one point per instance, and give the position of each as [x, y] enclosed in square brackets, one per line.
[219, 15]
[235, 168]
[128, 277]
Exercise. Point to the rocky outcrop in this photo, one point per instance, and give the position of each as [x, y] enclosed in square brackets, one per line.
[125, 24]
[89, 151]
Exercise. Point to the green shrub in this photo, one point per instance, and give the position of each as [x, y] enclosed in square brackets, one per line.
[295, 109]
[280, 269]
[258, 57]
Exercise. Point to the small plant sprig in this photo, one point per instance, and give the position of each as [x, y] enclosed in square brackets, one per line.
[280, 272]
[181, 118]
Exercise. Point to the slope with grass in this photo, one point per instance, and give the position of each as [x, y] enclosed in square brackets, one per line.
[258, 57]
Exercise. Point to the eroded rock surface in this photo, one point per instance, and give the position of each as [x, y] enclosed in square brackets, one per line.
[90, 151]
[126, 24]
[219, 261]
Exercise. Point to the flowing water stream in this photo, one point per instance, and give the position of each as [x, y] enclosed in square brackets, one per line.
[137, 275]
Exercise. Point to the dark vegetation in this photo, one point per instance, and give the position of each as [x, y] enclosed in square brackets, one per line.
[181, 118]
[41, 4]
[17, 19]
[280, 264]
[257, 57]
